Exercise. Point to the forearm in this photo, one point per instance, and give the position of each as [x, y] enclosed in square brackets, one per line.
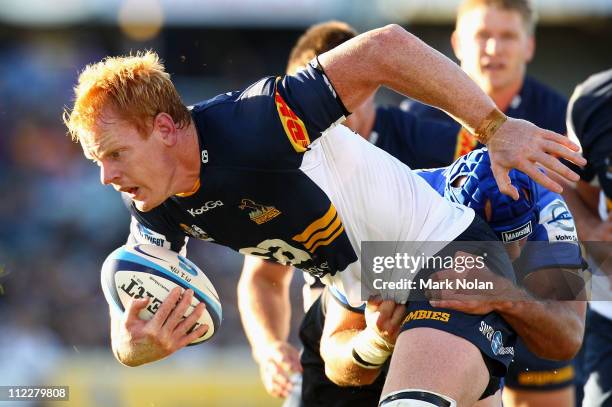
[340, 366]
[550, 329]
[413, 69]
[265, 310]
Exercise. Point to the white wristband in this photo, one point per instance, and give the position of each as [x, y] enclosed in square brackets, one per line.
[370, 350]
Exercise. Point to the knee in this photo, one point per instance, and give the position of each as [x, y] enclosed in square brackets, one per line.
[416, 398]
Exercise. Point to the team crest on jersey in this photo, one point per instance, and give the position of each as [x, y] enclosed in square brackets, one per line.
[466, 142]
[259, 213]
[196, 231]
[293, 125]
[322, 231]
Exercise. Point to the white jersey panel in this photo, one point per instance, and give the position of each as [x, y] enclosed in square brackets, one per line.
[378, 198]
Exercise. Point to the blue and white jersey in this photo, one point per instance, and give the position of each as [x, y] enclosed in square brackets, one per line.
[281, 181]
[555, 225]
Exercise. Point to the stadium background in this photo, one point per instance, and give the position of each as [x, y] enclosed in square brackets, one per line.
[57, 223]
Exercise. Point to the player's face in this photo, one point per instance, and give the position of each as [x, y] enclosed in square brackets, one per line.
[493, 46]
[131, 163]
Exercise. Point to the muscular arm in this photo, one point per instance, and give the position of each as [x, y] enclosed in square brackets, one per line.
[551, 329]
[392, 57]
[265, 311]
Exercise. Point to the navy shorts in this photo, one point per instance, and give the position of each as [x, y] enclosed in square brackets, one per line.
[530, 372]
[490, 333]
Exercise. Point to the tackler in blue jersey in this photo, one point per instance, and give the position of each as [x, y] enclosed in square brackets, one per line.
[511, 220]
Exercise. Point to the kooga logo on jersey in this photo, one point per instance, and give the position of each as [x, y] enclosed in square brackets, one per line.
[205, 208]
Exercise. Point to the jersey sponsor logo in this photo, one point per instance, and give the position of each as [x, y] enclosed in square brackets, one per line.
[196, 231]
[496, 339]
[517, 233]
[427, 314]
[204, 208]
[293, 125]
[466, 142]
[558, 222]
[322, 231]
[150, 236]
[259, 213]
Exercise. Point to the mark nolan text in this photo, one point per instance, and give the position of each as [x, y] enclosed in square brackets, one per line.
[456, 284]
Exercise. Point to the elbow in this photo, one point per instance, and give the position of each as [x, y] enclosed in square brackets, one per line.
[564, 350]
[573, 345]
[346, 379]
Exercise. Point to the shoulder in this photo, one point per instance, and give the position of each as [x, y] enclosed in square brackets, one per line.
[263, 87]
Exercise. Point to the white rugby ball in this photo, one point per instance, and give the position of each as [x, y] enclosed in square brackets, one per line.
[136, 271]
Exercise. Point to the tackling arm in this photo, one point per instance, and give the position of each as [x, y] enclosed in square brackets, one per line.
[551, 328]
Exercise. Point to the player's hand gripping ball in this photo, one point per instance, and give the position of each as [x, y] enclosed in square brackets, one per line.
[145, 270]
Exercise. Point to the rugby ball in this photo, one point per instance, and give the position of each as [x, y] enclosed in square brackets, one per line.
[136, 271]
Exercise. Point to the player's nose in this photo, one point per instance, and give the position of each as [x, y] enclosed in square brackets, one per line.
[108, 173]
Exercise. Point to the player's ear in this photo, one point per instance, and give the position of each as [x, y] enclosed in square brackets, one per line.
[164, 128]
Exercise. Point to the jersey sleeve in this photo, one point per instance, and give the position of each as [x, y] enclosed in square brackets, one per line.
[307, 105]
[554, 241]
[154, 228]
[343, 301]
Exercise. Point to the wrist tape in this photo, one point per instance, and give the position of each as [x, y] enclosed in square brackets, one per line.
[370, 350]
[489, 125]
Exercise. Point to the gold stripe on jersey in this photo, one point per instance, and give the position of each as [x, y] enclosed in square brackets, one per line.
[322, 231]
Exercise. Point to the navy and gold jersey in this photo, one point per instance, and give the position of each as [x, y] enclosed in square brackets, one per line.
[279, 180]
[417, 142]
[535, 102]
